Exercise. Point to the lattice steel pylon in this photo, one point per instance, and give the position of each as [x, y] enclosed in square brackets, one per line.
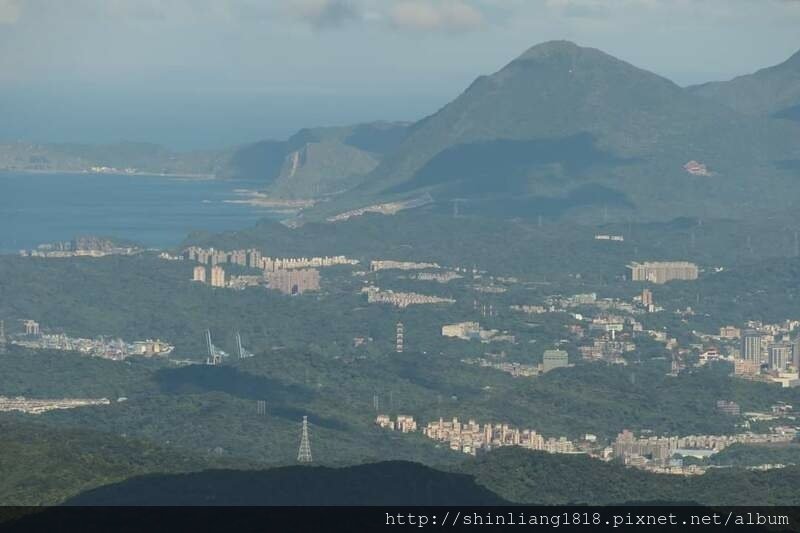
[399, 338]
[304, 453]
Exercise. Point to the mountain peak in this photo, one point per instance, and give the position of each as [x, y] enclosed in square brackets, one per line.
[550, 49]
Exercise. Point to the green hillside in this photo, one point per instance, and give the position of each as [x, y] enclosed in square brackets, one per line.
[562, 123]
[43, 465]
[772, 91]
[315, 161]
[538, 478]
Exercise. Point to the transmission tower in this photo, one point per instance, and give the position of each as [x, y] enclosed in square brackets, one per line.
[214, 356]
[304, 453]
[240, 349]
[400, 335]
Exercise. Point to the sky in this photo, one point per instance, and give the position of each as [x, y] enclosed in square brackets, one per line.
[210, 73]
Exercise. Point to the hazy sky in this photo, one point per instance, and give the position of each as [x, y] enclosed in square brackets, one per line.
[199, 73]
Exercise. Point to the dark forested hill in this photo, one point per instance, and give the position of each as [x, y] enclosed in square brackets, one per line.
[502, 476]
[389, 483]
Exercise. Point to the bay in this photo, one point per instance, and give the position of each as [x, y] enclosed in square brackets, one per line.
[156, 211]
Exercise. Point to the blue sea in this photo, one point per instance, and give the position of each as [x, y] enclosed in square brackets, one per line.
[155, 211]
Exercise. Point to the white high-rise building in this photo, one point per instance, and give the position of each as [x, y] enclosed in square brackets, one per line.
[199, 274]
[217, 276]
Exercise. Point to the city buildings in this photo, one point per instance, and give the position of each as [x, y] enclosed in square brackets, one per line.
[780, 356]
[39, 406]
[472, 331]
[85, 246]
[729, 408]
[199, 274]
[443, 277]
[462, 330]
[31, 327]
[604, 237]
[471, 437]
[647, 299]
[515, 369]
[662, 272]
[403, 423]
[217, 276]
[729, 332]
[295, 281]
[751, 346]
[255, 259]
[652, 451]
[375, 266]
[114, 349]
[746, 368]
[553, 359]
[402, 299]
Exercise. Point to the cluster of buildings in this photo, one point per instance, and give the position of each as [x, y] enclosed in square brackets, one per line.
[515, 369]
[648, 452]
[767, 352]
[39, 406]
[663, 272]
[472, 331]
[441, 277]
[604, 349]
[643, 303]
[402, 299]
[85, 246]
[112, 170]
[551, 359]
[472, 437]
[255, 259]
[215, 277]
[287, 275]
[403, 423]
[294, 281]
[114, 349]
[378, 265]
[663, 453]
[603, 237]
[729, 408]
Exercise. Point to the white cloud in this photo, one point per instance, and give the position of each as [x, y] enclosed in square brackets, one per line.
[9, 11]
[445, 15]
[323, 14]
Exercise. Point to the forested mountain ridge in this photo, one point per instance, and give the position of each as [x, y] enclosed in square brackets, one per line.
[773, 91]
[563, 120]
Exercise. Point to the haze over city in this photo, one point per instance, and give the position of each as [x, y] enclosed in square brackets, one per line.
[483, 261]
[206, 73]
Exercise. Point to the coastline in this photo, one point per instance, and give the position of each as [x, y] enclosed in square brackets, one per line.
[85, 172]
[260, 199]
